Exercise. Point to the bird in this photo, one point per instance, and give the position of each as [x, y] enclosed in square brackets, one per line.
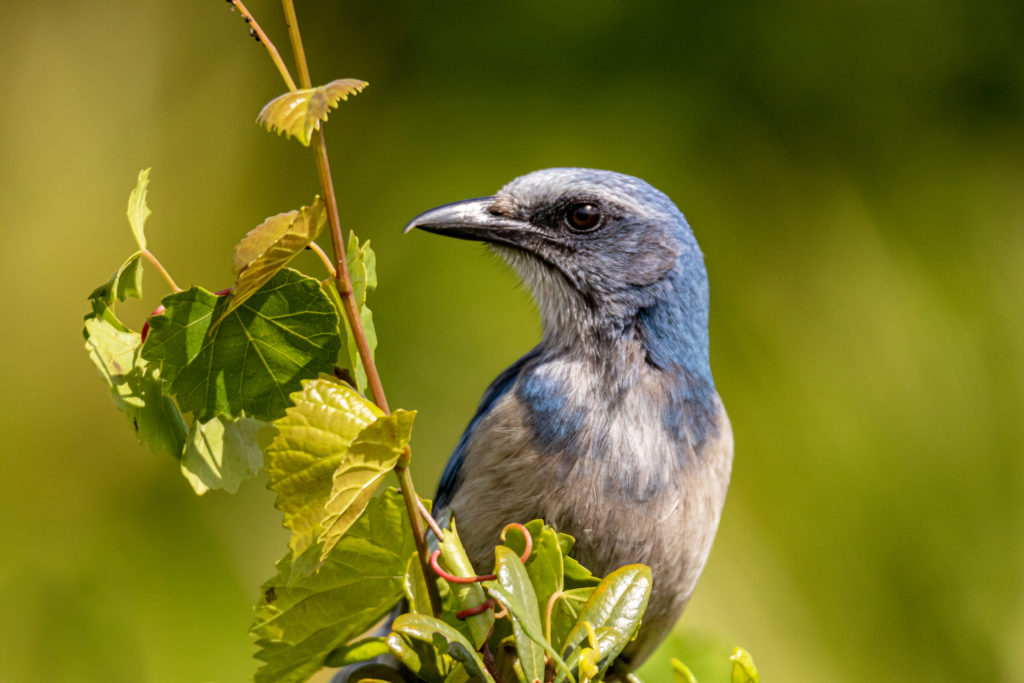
[611, 428]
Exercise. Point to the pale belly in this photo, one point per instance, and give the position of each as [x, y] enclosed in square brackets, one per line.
[658, 512]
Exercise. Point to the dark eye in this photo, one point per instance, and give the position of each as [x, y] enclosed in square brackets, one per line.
[583, 216]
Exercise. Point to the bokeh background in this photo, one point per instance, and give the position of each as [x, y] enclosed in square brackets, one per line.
[853, 171]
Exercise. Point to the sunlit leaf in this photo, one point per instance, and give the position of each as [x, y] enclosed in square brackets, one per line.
[743, 669]
[268, 248]
[444, 639]
[126, 283]
[545, 564]
[138, 210]
[460, 596]
[420, 657]
[416, 587]
[565, 612]
[359, 651]
[370, 457]
[299, 623]
[300, 112]
[135, 386]
[261, 352]
[513, 589]
[618, 602]
[312, 440]
[222, 453]
[362, 270]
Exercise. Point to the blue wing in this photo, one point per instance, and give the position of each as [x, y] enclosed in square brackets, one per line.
[498, 388]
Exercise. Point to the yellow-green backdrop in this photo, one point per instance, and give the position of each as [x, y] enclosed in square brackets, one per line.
[853, 171]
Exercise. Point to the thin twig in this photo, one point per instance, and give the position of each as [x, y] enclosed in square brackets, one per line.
[160, 267]
[323, 168]
[275, 56]
[429, 519]
[419, 534]
[315, 248]
[343, 282]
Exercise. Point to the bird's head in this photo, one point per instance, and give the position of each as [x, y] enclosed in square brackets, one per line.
[603, 254]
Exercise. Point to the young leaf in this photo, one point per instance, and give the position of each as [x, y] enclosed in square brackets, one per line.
[125, 284]
[420, 657]
[565, 613]
[221, 453]
[545, 564]
[681, 673]
[445, 640]
[462, 596]
[743, 669]
[513, 589]
[135, 385]
[268, 248]
[312, 440]
[284, 333]
[576, 575]
[416, 587]
[298, 624]
[138, 210]
[370, 457]
[359, 651]
[300, 112]
[618, 602]
[362, 268]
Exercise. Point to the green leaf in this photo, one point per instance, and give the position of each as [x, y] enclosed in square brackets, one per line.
[359, 651]
[268, 248]
[135, 385]
[513, 589]
[362, 268]
[743, 669]
[565, 613]
[370, 457]
[545, 564]
[576, 575]
[420, 657]
[138, 210]
[125, 284]
[445, 640]
[222, 453]
[284, 333]
[299, 623]
[618, 602]
[299, 112]
[416, 587]
[312, 440]
[460, 596]
[681, 673]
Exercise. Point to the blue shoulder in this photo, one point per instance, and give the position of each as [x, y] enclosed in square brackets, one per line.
[498, 388]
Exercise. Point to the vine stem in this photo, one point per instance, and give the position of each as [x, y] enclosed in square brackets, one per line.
[275, 56]
[315, 248]
[343, 282]
[160, 267]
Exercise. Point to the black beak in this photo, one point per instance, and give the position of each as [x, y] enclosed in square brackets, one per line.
[472, 219]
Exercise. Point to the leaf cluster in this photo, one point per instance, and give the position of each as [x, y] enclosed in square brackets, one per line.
[209, 371]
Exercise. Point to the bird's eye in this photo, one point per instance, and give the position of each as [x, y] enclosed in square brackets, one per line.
[583, 217]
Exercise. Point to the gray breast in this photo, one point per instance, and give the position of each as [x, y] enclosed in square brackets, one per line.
[630, 498]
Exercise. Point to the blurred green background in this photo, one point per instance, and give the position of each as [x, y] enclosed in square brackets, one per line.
[854, 172]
